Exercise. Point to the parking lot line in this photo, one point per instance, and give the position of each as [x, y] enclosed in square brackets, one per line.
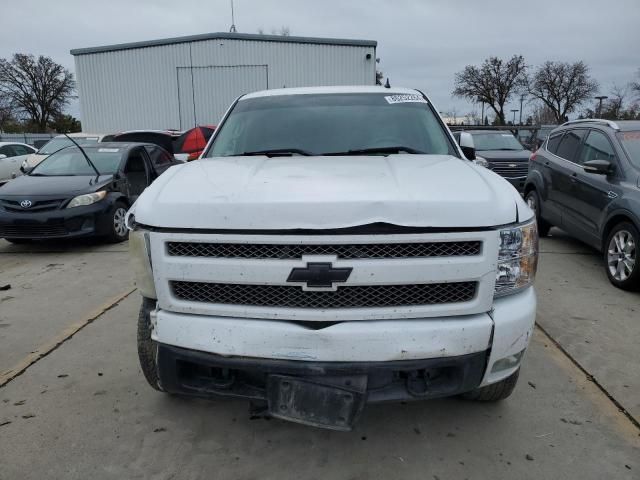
[589, 376]
[55, 342]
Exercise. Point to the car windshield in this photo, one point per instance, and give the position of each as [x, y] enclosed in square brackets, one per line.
[631, 143]
[495, 141]
[57, 143]
[324, 124]
[70, 161]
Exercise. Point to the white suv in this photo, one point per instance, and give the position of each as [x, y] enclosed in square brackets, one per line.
[333, 247]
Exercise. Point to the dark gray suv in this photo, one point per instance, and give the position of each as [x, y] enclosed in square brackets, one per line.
[585, 179]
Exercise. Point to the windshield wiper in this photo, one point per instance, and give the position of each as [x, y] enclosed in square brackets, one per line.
[38, 175]
[380, 150]
[84, 154]
[276, 152]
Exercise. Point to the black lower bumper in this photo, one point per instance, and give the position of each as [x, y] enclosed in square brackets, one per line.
[200, 374]
[75, 222]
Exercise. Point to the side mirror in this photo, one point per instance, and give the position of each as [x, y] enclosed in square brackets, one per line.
[467, 146]
[181, 157]
[599, 167]
[2, 155]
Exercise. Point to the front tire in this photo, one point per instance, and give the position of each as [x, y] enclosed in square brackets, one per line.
[147, 348]
[533, 200]
[621, 256]
[496, 391]
[118, 228]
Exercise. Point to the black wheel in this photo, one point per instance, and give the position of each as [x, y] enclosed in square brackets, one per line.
[18, 241]
[147, 348]
[533, 200]
[621, 255]
[496, 391]
[119, 231]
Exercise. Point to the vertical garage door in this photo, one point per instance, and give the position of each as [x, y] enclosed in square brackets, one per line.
[205, 93]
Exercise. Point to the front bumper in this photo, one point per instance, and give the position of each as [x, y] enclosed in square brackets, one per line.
[75, 222]
[231, 343]
[202, 374]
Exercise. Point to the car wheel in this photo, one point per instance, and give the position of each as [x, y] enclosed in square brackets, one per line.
[533, 201]
[147, 348]
[496, 391]
[119, 231]
[621, 255]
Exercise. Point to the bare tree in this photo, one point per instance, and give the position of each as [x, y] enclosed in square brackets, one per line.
[7, 111]
[562, 86]
[39, 87]
[493, 82]
[635, 87]
[542, 115]
[615, 104]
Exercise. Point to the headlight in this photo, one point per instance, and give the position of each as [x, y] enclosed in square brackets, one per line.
[140, 252]
[517, 258]
[88, 199]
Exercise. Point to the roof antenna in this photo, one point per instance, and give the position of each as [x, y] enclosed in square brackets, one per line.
[387, 84]
[233, 20]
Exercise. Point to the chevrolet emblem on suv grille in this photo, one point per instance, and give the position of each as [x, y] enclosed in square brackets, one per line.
[319, 275]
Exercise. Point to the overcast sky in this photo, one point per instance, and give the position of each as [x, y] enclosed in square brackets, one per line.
[421, 44]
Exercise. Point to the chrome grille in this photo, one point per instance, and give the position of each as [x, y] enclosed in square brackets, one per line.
[352, 251]
[504, 169]
[344, 297]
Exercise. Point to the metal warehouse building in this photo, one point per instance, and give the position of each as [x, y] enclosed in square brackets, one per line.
[182, 82]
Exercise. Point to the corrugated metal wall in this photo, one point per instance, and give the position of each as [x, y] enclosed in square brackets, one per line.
[156, 87]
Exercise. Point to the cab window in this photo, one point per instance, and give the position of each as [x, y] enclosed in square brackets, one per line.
[597, 147]
[569, 144]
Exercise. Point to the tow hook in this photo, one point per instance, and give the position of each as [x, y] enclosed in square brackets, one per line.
[418, 383]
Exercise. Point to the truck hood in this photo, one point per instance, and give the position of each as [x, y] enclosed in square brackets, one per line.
[282, 193]
[505, 155]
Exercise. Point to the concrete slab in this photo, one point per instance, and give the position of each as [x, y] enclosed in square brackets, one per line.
[598, 324]
[85, 412]
[53, 286]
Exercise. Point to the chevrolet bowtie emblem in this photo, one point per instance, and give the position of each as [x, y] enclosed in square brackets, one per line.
[319, 275]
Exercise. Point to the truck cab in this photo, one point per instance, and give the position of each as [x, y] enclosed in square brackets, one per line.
[333, 247]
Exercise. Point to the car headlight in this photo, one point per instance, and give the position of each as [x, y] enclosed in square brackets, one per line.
[517, 258]
[140, 252]
[87, 199]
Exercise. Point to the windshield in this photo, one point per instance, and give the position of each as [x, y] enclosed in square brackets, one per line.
[495, 141]
[322, 124]
[631, 143]
[70, 161]
[57, 143]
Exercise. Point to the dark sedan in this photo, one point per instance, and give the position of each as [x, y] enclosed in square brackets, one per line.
[504, 154]
[70, 195]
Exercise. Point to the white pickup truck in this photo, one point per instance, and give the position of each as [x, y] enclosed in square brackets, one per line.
[333, 247]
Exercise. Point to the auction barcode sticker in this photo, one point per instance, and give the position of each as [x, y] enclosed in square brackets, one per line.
[405, 98]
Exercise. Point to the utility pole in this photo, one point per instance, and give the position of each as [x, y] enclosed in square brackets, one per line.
[233, 20]
[514, 115]
[522, 97]
[600, 98]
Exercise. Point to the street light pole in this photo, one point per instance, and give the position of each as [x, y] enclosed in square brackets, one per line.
[600, 98]
[522, 97]
[514, 115]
